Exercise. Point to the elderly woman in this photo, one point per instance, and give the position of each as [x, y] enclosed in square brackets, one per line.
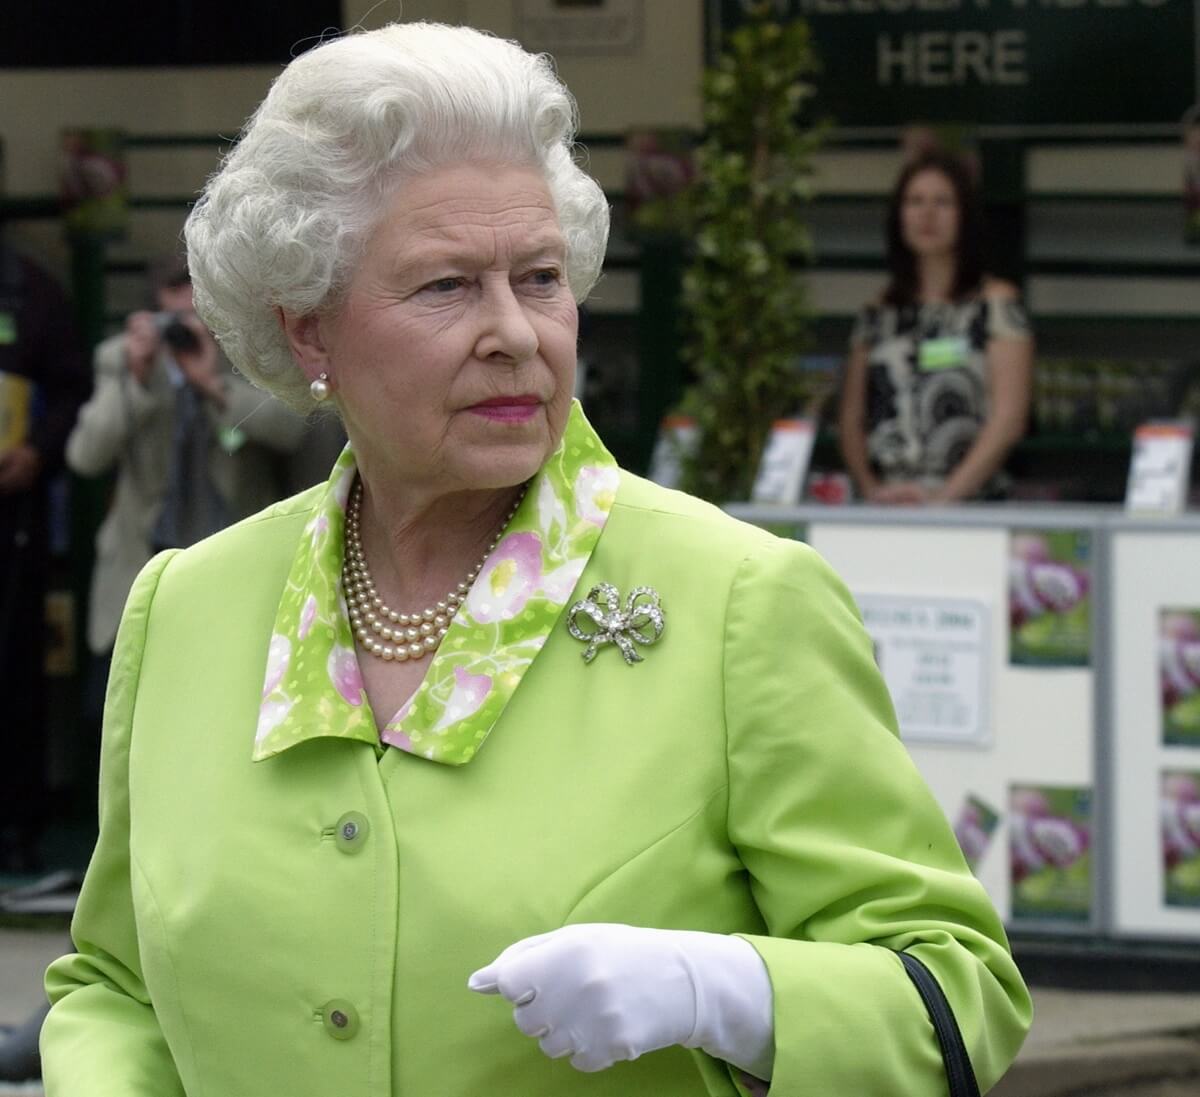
[484, 712]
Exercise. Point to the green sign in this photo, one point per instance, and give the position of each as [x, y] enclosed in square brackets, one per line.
[994, 63]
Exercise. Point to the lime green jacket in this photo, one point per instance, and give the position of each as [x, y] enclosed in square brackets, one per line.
[235, 938]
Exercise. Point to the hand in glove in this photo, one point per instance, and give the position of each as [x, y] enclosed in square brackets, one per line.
[605, 992]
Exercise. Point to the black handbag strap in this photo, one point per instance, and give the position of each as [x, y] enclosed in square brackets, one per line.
[954, 1051]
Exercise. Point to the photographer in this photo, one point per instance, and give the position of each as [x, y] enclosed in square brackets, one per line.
[194, 446]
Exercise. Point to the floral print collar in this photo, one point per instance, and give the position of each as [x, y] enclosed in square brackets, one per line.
[313, 686]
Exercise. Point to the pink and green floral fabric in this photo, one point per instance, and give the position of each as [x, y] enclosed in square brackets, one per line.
[313, 685]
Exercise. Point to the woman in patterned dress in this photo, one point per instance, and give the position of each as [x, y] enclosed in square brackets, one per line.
[937, 383]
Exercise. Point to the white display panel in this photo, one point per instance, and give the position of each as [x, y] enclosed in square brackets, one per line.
[1150, 570]
[935, 659]
[1041, 719]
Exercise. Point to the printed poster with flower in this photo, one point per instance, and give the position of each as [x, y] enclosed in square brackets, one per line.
[974, 827]
[1179, 676]
[1050, 843]
[1180, 810]
[1049, 598]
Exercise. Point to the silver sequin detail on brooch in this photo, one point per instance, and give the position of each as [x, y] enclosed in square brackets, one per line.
[639, 622]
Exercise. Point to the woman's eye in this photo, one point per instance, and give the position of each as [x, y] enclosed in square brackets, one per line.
[550, 276]
[444, 285]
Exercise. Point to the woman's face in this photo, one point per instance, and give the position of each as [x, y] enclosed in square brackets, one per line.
[453, 354]
[929, 215]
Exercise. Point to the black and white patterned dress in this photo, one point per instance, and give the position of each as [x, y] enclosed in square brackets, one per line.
[926, 397]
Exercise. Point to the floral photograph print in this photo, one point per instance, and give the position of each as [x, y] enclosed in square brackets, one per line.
[1180, 809]
[1050, 840]
[974, 828]
[1049, 598]
[1179, 676]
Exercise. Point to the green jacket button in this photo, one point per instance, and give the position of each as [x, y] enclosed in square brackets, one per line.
[351, 832]
[341, 1019]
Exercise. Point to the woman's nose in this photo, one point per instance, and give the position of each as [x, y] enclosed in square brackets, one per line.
[507, 333]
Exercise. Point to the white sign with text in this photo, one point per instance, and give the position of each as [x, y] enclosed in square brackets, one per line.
[784, 463]
[678, 437]
[933, 653]
[1160, 470]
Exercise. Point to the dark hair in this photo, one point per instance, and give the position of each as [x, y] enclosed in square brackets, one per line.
[168, 272]
[902, 263]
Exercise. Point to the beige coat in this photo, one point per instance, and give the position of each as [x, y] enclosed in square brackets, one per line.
[129, 427]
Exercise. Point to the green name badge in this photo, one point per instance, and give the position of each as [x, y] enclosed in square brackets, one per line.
[232, 439]
[8, 329]
[951, 352]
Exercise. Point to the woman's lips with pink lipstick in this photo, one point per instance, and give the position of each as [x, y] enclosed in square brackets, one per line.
[508, 409]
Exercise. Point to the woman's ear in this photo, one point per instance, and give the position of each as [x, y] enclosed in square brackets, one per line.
[306, 338]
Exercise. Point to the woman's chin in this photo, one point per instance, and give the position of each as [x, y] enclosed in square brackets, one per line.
[502, 466]
[927, 248]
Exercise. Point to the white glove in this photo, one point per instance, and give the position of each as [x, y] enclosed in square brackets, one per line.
[604, 992]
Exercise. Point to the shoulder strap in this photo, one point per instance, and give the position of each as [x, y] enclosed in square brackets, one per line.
[954, 1053]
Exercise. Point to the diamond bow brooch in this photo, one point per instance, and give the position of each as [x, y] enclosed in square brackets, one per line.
[639, 622]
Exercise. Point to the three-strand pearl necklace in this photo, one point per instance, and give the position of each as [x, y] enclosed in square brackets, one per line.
[381, 630]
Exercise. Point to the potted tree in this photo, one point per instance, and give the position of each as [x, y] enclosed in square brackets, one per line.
[746, 317]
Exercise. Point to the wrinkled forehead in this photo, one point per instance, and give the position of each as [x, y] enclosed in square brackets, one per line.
[477, 248]
[469, 210]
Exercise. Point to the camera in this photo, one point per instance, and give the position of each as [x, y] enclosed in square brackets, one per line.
[174, 332]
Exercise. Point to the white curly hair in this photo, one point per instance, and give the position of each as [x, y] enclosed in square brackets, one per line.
[283, 222]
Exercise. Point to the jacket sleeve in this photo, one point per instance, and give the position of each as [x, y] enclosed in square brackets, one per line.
[101, 1038]
[118, 406]
[850, 857]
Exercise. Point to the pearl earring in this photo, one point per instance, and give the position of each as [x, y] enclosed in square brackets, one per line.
[321, 388]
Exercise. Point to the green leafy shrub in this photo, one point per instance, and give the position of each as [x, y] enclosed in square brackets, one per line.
[745, 315]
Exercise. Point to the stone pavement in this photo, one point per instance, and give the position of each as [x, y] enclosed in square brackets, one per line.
[1087, 1043]
[1083, 1044]
[24, 954]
